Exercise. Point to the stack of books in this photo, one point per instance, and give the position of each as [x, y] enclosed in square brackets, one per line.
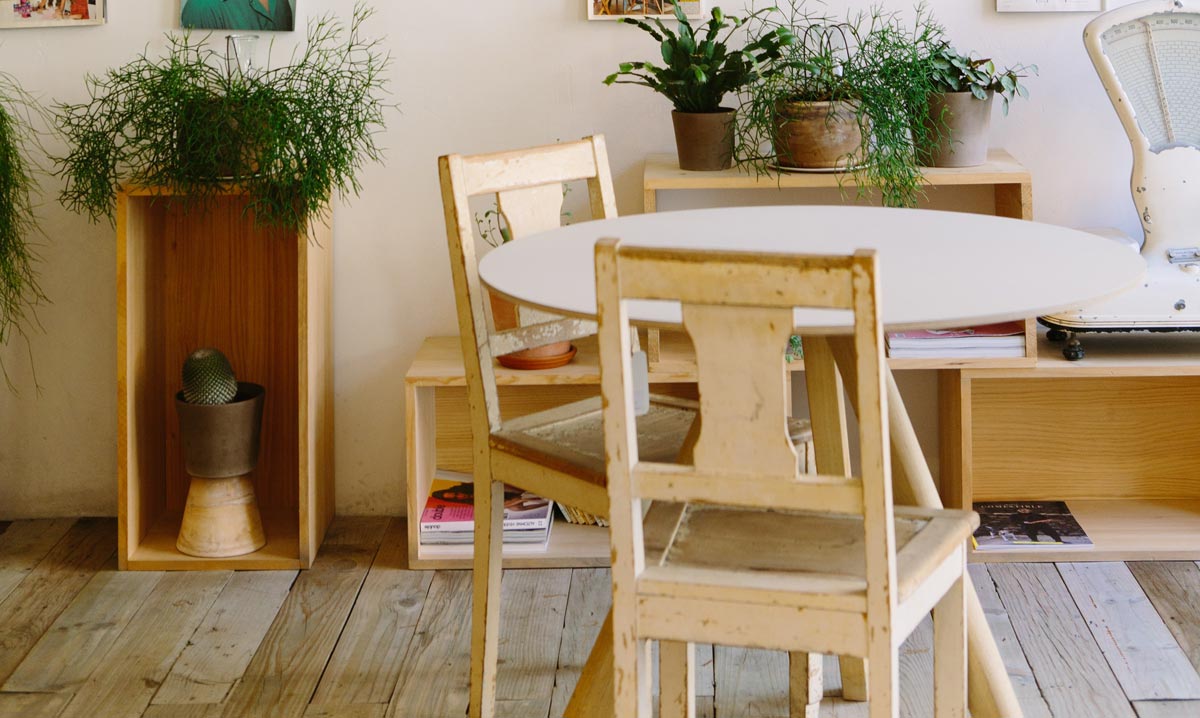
[449, 515]
[1006, 339]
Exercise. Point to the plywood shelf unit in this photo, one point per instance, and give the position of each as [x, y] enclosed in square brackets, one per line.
[1114, 435]
[1012, 189]
[199, 276]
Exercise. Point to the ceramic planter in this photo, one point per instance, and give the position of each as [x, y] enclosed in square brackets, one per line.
[817, 135]
[704, 140]
[965, 124]
[504, 316]
[220, 449]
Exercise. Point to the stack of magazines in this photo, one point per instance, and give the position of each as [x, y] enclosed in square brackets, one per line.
[1006, 339]
[449, 515]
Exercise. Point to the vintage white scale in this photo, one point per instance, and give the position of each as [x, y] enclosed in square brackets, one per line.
[1148, 57]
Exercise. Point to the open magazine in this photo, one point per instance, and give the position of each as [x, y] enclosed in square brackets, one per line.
[1013, 525]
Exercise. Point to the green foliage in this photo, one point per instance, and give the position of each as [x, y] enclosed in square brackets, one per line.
[700, 69]
[19, 290]
[208, 378]
[955, 72]
[290, 136]
[875, 62]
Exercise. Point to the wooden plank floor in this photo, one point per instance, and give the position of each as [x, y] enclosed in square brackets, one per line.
[359, 636]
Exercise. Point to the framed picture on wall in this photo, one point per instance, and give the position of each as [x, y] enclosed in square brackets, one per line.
[256, 15]
[617, 9]
[1048, 5]
[52, 13]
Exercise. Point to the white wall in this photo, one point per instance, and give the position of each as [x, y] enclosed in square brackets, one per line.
[470, 76]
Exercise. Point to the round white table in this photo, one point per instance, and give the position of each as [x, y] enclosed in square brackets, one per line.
[937, 269]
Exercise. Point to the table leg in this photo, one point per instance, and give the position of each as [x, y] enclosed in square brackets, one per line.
[990, 690]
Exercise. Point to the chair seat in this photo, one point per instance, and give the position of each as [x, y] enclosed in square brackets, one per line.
[570, 438]
[762, 556]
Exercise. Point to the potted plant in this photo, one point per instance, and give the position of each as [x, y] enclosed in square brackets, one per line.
[962, 102]
[19, 290]
[193, 123]
[698, 71]
[846, 95]
[220, 422]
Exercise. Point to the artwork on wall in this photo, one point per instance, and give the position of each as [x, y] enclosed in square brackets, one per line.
[259, 15]
[617, 9]
[52, 13]
[1048, 5]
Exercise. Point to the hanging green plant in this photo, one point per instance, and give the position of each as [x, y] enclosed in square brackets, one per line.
[193, 123]
[19, 290]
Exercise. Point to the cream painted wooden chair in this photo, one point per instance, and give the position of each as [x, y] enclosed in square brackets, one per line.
[763, 555]
[558, 453]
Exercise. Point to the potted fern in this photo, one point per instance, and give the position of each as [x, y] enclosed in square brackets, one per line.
[19, 290]
[700, 67]
[964, 87]
[193, 122]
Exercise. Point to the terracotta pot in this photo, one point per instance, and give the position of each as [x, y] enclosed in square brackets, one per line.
[221, 519]
[704, 140]
[965, 121]
[817, 135]
[504, 316]
[221, 440]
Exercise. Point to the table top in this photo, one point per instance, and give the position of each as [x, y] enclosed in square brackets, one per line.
[937, 269]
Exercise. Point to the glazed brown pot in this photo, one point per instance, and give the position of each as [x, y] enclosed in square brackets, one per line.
[704, 140]
[965, 124]
[221, 440]
[817, 135]
[504, 316]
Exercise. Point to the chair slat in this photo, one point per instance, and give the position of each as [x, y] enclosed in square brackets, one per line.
[549, 165]
[674, 483]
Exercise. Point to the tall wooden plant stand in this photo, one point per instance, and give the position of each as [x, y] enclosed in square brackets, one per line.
[191, 277]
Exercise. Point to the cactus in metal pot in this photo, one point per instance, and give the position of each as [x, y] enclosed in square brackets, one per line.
[208, 378]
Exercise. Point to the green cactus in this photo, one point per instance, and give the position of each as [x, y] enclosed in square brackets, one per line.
[208, 378]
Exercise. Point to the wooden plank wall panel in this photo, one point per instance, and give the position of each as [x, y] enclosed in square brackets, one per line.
[77, 641]
[1028, 432]
[23, 545]
[288, 664]
[434, 680]
[51, 586]
[1174, 589]
[587, 605]
[140, 658]
[217, 656]
[1140, 650]
[366, 664]
[1019, 672]
[1075, 679]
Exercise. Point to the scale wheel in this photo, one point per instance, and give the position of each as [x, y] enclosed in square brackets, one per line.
[1073, 351]
[1056, 335]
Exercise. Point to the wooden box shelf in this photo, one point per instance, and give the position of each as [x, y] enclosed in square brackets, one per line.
[207, 276]
[1114, 435]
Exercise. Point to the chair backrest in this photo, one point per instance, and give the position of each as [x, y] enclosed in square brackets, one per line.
[528, 186]
[1148, 57]
[738, 309]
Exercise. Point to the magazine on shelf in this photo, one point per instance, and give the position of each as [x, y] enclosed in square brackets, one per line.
[1018, 525]
[1006, 339]
[450, 510]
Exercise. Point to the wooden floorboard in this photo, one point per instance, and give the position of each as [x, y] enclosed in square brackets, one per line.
[1070, 670]
[1139, 648]
[359, 636]
[1174, 589]
[285, 670]
[34, 604]
[366, 663]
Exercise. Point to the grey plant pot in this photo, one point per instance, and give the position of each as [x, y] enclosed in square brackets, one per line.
[221, 440]
[968, 121]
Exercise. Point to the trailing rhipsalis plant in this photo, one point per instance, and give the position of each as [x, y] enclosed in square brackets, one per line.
[19, 290]
[290, 135]
[208, 378]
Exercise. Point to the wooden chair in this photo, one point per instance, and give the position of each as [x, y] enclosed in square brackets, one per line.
[763, 555]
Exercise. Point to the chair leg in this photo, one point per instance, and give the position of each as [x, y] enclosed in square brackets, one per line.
[485, 610]
[806, 684]
[884, 696]
[632, 675]
[854, 678]
[950, 654]
[676, 679]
